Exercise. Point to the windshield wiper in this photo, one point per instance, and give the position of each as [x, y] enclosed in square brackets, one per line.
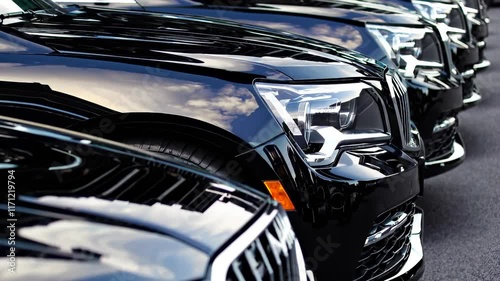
[26, 15]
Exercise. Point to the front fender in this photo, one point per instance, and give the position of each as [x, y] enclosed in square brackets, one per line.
[77, 89]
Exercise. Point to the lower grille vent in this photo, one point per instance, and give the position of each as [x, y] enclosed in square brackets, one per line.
[385, 256]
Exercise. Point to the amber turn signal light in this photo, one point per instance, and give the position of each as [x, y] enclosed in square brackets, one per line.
[279, 194]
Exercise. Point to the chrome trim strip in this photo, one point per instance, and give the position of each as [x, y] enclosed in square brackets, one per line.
[468, 73]
[403, 112]
[445, 124]
[76, 163]
[472, 99]
[333, 139]
[303, 273]
[470, 10]
[223, 261]
[416, 252]
[473, 20]
[458, 152]
[412, 63]
[481, 65]
[391, 225]
[310, 275]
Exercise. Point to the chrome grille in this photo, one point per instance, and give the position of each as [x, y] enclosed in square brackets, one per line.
[383, 257]
[271, 256]
[402, 105]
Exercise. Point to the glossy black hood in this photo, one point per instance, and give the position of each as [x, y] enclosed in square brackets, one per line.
[336, 22]
[406, 4]
[95, 62]
[197, 42]
[91, 209]
[371, 11]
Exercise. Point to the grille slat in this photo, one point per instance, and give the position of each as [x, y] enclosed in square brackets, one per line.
[385, 257]
[402, 105]
[271, 256]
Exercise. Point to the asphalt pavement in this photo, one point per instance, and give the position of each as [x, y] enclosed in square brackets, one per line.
[462, 207]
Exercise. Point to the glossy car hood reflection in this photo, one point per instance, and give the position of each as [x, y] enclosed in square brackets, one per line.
[77, 249]
[163, 64]
[196, 42]
[339, 23]
[348, 10]
[113, 209]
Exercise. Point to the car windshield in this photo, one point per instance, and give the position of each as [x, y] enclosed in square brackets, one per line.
[19, 6]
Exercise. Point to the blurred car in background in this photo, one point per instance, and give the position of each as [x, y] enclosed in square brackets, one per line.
[467, 38]
[469, 16]
[477, 13]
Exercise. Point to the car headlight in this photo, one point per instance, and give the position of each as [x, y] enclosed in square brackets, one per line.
[473, 9]
[437, 12]
[323, 117]
[449, 14]
[411, 49]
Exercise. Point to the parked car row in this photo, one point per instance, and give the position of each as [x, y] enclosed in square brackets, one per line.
[148, 138]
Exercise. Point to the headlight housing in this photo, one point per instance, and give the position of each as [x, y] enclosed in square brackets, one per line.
[448, 14]
[411, 49]
[437, 12]
[323, 117]
[474, 9]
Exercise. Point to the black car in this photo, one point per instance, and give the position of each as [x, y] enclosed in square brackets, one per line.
[451, 19]
[82, 208]
[435, 89]
[324, 130]
[451, 15]
[477, 13]
[490, 3]
[467, 37]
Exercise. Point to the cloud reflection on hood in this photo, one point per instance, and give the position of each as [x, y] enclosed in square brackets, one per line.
[345, 36]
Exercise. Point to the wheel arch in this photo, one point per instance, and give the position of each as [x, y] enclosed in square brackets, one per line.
[115, 126]
[109, 126]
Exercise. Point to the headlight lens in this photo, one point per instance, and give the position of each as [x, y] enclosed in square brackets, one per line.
[437, 12]
[449, 14]
[410, 48]
[321, 117]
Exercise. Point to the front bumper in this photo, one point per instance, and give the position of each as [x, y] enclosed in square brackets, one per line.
[480, 31]
[428, 108]
[483, 62]
[336, 207]
[471, 94]
[472, 100]
[465, 59]
[414, 266]
[436, 167]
